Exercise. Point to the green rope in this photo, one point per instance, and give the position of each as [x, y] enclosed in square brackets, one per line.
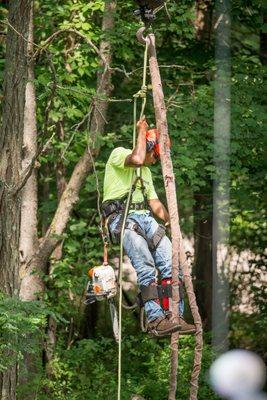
[140, 94]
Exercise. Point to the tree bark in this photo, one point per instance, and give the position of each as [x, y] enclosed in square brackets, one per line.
[50, 343]
[178, 254]
[11, 141]
[104, 86]
[169, 183]
[203, 21]
[203, 254]
[30, 281]
[203, 198]
[29, 204]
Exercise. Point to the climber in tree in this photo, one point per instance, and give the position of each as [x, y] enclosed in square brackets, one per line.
[145, 241]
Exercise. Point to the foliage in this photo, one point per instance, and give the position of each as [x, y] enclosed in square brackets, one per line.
[245, 330]
[65, 80]
[19, 321]
[87, 370]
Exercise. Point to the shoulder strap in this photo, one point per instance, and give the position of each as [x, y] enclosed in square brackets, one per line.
[138, 174]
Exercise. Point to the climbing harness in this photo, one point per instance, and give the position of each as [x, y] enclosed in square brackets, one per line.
[114, 209]
[102, 283]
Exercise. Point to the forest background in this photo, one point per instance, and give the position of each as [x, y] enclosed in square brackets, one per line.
[78, 72]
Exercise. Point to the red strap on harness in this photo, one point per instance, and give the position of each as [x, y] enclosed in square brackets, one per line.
[166, 301]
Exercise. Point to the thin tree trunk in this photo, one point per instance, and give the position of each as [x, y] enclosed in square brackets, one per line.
[61, 182]
[104, 86]
[203, 254]
[178, 254]
[203, 21]
[30, 281]
[11, 141]
[29, 205]
[263, 38]
[169, 183]
[204, 199]
[45, 191]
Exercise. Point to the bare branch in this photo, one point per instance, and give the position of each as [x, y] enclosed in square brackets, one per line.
[76, 127]
[169, 101]
[18, 33]
[49, 40]
[160, 66]
[94, 96]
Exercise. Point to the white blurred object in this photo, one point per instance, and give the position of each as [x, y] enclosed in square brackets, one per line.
[238, 375]
[252, 396]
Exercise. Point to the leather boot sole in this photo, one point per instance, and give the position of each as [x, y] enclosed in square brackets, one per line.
[167, 332]
[188, 332]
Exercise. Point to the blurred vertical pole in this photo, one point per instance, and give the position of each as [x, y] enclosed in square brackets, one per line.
[222, 123]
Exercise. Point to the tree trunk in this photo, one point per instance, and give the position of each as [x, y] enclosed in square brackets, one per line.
[178, 254]
[61, 183]
[11, 141]
[203, 254]
[203, 199]
[104, 86]
[203, 21]
[263, 38]
[221, 183]
[30, 281]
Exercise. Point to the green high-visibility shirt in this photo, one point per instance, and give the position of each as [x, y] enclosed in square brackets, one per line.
[117, 178]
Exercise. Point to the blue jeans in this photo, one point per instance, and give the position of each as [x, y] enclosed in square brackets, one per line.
[145, 261]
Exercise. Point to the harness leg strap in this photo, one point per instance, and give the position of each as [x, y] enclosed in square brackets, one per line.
[157, 236]
[149, 293]
[153, 292]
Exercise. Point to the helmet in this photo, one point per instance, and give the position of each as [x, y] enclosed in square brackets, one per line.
[152, 141]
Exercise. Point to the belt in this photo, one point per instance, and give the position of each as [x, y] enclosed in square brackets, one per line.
[138, 206]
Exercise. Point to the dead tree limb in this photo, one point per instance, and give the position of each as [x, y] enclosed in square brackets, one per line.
[178, 253]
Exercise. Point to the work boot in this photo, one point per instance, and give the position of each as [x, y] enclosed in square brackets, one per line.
[163, 326]
[186, 329]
